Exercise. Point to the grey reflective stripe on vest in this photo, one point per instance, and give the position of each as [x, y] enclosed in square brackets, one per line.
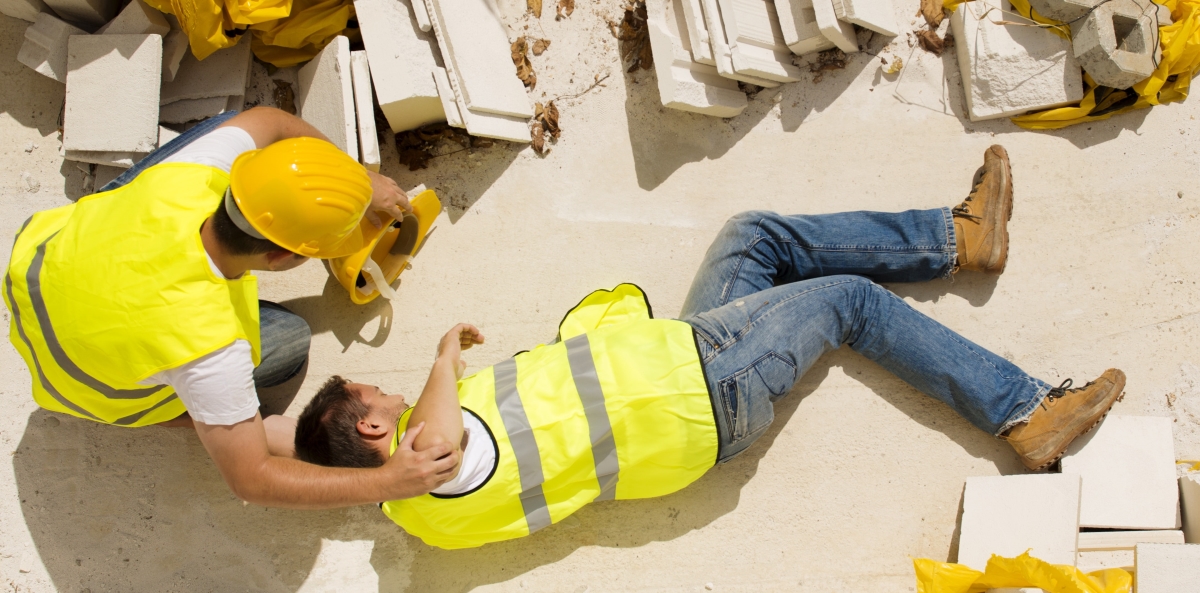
[520, 435]
[587, 383]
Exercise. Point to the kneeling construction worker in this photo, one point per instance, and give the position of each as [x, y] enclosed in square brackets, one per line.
[136, 305]
[622, 405]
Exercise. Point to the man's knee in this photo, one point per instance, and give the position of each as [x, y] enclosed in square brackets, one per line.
[746, 224]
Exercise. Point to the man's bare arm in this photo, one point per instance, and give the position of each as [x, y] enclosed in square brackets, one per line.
[438, 406]
[254, 475]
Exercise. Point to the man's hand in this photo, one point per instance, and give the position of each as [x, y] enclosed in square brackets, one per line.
[387, 197]
[460, 338]
[418, 472]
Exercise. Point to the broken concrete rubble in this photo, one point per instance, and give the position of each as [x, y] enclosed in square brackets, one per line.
[839, 32]
[85, 14]
[326, 95]
[1009, 515]
[697, 31]
[1064, 10]
[1126, 540]
[798, 23]
[446, 94]
[222, 74]
[364, 110]
[175, 44]
[97, 64]
[137, 18]
[401, 58]
[1117, 43]
[26, 10]
[192, 109]
[682, 82]
[45, 46]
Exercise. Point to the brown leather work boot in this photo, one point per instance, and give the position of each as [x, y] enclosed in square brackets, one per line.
[981, 221]
[1064, 415]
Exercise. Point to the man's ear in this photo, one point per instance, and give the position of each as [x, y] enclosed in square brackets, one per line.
[282, 259]
[370, 427]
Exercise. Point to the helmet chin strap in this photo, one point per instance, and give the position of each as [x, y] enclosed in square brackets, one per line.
[235, 214]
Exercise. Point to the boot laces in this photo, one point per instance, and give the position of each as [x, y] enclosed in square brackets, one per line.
[1063, 389]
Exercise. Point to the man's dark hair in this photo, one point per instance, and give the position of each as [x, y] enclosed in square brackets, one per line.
[326, 432]
[235, 240]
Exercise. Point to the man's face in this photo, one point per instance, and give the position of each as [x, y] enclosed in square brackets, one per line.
[384, 408]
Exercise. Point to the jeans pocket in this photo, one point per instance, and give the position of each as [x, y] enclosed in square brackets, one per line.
[747, 395]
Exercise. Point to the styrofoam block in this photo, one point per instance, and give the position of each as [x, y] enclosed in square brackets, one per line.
[876, 15]
[222, 74]
[401, 58]
[1189, 503]
[192, 110]
[697, 31]
[839, 32]
[1128, 469]
[722, 52]
[123, 160]
[1011, 69]
[45, 46]
[98, 64]
[755, 40]
[1008, 515]
[26, 10]
[235, 103]
[798, 22]
[175, 45]
[1093, 560]
[326, 97]
[474, 40]
[86, 14]
[1126, 540]
[446, 94]
[364, 110]
[138, 18]
[1167, 568]
[682, 83]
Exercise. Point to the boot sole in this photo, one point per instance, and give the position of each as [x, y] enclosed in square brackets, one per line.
[1091, 423]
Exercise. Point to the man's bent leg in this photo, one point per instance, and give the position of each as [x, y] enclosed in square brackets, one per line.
[168, 149]
[285, 339]
[758, 250]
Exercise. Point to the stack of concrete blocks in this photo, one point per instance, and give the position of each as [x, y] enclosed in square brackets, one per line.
[403, 57]
[1116, 41]
[1167, 568]
[683, 82]
[1099, 550]
[326, 97]
[45, 46]
[817, 25]
[202, 89]
[1011, 69]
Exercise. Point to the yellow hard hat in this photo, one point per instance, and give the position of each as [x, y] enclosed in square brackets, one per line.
[391, 247]
[303, 194]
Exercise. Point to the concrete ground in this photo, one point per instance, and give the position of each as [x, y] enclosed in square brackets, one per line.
[859, 474]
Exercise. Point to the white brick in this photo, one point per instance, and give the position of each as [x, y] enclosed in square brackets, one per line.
[839, 32]
[1126, 540]
[192, 109]
[401, 59]
[1189, 502]
[1008, 515]
[137, 19]
[1128, 469]
[1011, 69]
[175, 44]
[45, 46]
[683, 83]
[475, 43]
[876, 15]
[446, 94]
[326, 97]
[1093, 560]
[755, 40]
[798, 21]
[722, 52]
[98, 64]
[1168, 568]
[364, 110]
[26, 10]
[86, 14]
[697, 31]
[222, 74]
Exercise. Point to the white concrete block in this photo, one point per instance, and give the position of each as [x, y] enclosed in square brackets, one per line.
[26, 10]
[175, 45]
[165, 135]
[798, 21]
[1189, 502]
[476, 44]
[401, 58]
[1093, 560]
[755, 40]
[1128, 469]
[876, 15]
[105, 173]
[222, 74]
[1126, 540]
[446, 94]
[326, 96]
[1168, 568]
[45, 46]
[839, 32]
[683, 83]
[697, 31]
[138, 18]
[85, 14]
[1008, 515]
[1011, 69]
[723, 52]
[122, 160]
[364, 110]
[96, 65]
[192, 110]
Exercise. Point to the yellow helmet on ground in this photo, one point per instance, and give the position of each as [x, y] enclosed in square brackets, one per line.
[303, 194]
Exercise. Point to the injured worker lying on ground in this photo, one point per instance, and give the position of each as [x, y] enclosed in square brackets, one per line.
[622, 405]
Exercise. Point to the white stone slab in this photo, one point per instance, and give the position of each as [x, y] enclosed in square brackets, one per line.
[697, 31]
[1168, 568]
[1128, 469]
[876, 15]
[45, 46]
[1008, 515]
[175, 45]
[1126, 540]
[722, 52]
[98, 64]
[476, 44]
[138, 18]
[1011, 69]
[364, 110]
[222, 74]
[1093, 560]
[326, 97]
[683, 83]
[839, 32]
[1189, 503]
[798, 21]
[123, 160]
[26, 10]
[446, 94]
[192, 110]
[755, 40]
[85, 14]
[401, 59]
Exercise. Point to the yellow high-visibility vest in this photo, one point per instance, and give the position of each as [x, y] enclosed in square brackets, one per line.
[617, 408]
[114, 288]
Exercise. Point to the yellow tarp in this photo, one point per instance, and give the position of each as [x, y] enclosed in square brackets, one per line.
[1022, 571]
[1170, 82]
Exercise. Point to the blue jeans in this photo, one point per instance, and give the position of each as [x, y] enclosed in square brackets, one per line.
[776, 292]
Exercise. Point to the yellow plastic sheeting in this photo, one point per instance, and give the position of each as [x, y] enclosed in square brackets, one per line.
[300, 37]
[1022, 571]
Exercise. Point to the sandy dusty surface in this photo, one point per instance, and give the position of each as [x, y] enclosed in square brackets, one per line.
[859, 472]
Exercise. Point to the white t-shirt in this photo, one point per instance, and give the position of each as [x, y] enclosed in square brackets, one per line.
[217, 388]
[478, 458]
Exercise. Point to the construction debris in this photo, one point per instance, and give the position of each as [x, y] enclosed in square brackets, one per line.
[684, 83]
[1118, 59]
[827, 61]
[364, 110]
[1167, 568]
[1009, 515]
[402, 57]
[326, 97]
[873, 15]
[417, 147]
[85, 14]
[137, 19]
[26, 10]
[222, 74]
[96, 64]
[45, 46]
[798, 23]
[1189, 503]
